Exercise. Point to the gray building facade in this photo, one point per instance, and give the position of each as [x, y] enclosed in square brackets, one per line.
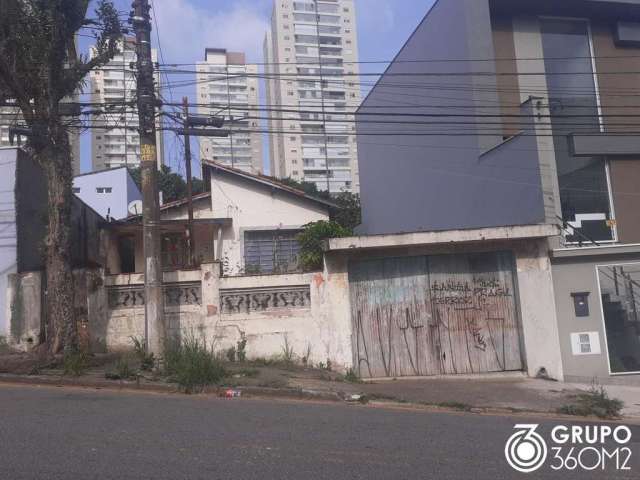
[505, 113]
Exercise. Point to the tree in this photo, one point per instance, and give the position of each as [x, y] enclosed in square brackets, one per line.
[311, 238]
[39, 67]
[171, 184]
[349, 212]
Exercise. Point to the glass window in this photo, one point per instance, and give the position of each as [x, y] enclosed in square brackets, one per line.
[584, 192]
[271, 251]
[620, 291]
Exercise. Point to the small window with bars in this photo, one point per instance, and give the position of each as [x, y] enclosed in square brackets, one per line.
[271, 251]
[585, 343]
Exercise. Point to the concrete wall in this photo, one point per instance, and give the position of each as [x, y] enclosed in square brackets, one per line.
[578, 275]
[252, 206]
[535, 299]
[115, 203]
[319, 329]
[23, 297]
[8, 238]
[435, 181]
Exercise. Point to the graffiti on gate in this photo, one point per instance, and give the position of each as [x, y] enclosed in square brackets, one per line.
[455, 329]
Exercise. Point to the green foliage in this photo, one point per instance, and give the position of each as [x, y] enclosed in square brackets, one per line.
[349, 213]
[231, 354]
[171, 184]
[122, 371]
[288, 355]
[147, 360]
[594, 402]
[352, 376]
[75, 363]
[311, 238]
[241, 349]
[192, 364]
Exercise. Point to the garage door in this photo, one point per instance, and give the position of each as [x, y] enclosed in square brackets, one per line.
[444, 314]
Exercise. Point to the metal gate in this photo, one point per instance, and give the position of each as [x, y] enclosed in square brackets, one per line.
[443, 314]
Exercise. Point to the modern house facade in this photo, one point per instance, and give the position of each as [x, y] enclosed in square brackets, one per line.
[115, 140]
[530, 125]
[311, 55]
[109, 192]
[228, 87]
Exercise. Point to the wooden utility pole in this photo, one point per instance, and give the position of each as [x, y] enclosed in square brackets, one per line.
[187, 158]
[154, 304]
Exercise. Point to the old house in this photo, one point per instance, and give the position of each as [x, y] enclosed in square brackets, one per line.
[110, 192]
[24, 226]
[506, 233]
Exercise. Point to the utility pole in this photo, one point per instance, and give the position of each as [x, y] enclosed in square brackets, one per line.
[154, 304]
[187, 158]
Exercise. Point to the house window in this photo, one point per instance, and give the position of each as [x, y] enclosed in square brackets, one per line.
[620, 293]
[584, 191]
[103, 189]
[581, 304]
[76, 190]
[271, 251]
[127, 250]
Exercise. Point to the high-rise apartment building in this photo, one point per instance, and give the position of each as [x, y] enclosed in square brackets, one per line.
[313, 88]
[228, 87]
[115, 140]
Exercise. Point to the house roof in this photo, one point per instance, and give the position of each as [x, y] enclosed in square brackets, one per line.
[175, 204]
[94, 172]
[268, 182]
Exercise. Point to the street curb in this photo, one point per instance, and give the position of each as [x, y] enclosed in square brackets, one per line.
[250, 391]
[284, 393]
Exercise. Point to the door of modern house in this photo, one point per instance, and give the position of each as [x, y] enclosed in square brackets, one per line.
[432, 315]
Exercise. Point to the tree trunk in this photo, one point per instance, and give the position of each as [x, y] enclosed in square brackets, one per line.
[61, 328]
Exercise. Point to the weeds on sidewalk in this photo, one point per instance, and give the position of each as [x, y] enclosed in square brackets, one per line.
[147, 360]
[192, 364]
[75, 364]
[122, 371]
[594, 402]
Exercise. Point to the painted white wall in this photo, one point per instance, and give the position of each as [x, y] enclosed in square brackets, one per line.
[8, 232]
[253, 206]
[123, 191]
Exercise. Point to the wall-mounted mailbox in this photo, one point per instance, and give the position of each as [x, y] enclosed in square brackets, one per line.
[581, 303]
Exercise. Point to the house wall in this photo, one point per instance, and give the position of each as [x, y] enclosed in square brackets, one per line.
[577, 275]
[8, 239]
[255, 207]
[115, 203]
[434, 181]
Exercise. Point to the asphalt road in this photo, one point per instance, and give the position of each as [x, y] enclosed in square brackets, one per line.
[56, 433]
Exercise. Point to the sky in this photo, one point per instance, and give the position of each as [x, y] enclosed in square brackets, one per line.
[187, 27]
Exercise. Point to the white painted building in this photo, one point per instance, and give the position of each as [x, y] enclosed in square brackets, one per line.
[108, 192]
[228, 87]
[10, 116]
[247, 222]
[118, 143]
[312, 72]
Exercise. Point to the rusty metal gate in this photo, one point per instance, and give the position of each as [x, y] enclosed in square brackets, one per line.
[442, 314]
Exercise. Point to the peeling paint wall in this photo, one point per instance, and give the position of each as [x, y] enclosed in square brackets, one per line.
[24, 312]
[307, 312]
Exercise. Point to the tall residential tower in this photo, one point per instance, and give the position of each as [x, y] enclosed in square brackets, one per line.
[228, 87]
[313, 88]
[115, 141]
